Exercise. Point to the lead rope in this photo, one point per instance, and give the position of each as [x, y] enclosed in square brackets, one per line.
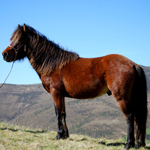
[8, 74]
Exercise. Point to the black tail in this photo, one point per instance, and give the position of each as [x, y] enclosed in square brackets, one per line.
[140, 105]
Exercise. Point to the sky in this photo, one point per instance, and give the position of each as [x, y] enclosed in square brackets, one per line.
[91, 28]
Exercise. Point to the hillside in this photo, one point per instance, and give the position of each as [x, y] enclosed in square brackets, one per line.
[32, 106]
[14, 137]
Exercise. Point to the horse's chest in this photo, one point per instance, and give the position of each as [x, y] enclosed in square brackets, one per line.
[51, 83]
[46, 83]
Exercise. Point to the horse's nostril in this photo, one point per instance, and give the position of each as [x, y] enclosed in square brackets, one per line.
[5, 54]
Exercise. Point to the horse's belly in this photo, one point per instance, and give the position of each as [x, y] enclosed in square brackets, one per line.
[87, 92]
[103, 91]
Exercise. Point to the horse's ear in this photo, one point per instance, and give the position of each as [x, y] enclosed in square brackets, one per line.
[24, 27]
[18, 26]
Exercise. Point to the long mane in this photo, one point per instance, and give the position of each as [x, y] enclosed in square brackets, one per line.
[44, 55]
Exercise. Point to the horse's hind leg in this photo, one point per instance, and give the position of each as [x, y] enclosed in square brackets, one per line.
[130, 123]
[122, 94]
[140, 126]
[130, 131]
[140, 107]
[59, 105]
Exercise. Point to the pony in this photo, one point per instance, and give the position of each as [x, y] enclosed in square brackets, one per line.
[64, 74]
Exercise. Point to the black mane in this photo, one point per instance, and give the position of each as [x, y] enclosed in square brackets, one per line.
[44, 55]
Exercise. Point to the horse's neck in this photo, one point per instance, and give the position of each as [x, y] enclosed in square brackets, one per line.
[32, 60]
[46, 63]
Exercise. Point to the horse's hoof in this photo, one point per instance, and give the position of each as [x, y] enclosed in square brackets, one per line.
[58, 137]
[66, 136]
[137, 146]
[129, 145]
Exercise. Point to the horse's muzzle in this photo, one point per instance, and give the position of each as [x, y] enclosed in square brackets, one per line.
[7, 57]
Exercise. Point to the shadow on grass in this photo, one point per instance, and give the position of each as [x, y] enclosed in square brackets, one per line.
[118, 144]
[112, 144]
[30, 131]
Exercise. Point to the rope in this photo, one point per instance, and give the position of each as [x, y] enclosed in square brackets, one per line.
[7, 75]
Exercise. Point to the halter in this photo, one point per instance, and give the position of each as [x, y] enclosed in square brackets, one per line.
[17, 49]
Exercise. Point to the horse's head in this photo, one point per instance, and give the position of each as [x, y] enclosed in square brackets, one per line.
[17, 49]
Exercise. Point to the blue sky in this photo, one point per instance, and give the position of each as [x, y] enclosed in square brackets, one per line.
[92, 28]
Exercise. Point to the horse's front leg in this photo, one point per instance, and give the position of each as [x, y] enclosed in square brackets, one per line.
[59, 104]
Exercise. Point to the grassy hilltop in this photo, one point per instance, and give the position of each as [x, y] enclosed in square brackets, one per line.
[18, 138]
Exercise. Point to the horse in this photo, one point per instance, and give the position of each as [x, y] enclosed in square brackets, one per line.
[64, 74]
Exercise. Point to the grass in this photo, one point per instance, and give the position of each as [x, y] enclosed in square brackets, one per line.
[22, 138]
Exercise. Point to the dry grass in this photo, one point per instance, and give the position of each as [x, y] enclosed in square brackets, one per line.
[21, 138]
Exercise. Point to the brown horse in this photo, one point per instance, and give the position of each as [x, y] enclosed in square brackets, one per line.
[65, 74]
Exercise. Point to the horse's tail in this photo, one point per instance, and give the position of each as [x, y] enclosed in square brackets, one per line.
[140, 105]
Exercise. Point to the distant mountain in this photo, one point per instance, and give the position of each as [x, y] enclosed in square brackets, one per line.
[147, 73]
[32, 106]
